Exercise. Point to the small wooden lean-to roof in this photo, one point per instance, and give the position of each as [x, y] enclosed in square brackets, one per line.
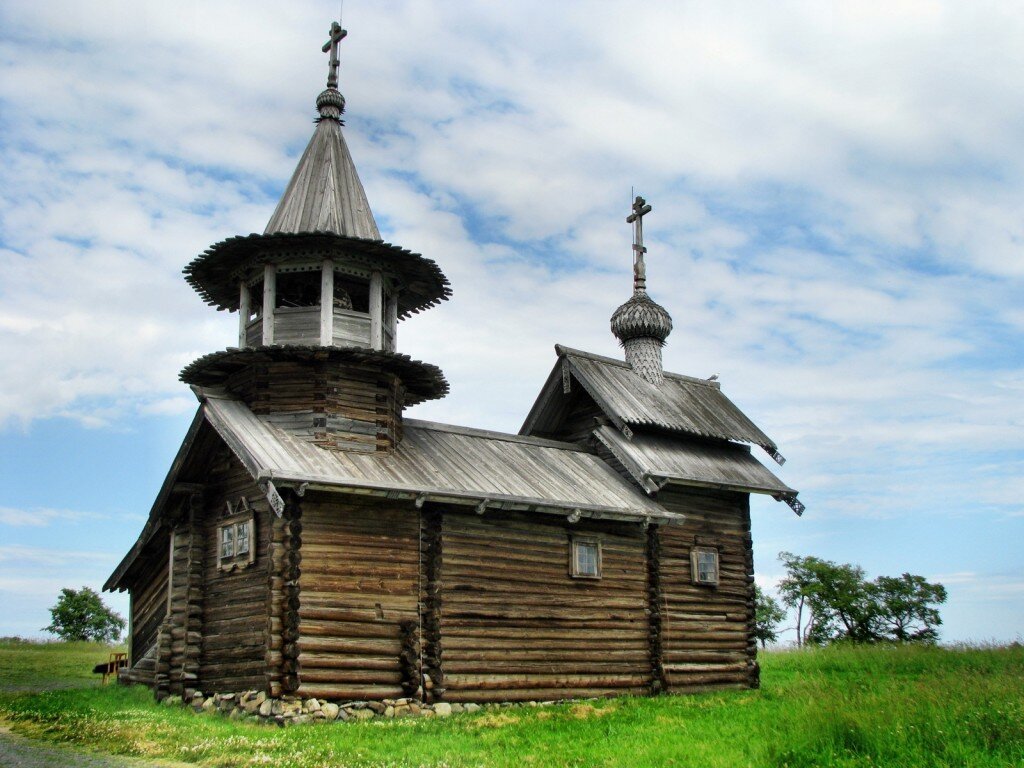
[655, 461]
[681, 404]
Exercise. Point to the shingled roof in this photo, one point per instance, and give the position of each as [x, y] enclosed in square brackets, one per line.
[655, 461]
[325, 193]
[440, 462]
[681, 404]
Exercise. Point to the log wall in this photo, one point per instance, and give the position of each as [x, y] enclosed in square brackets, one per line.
[516, 626]
[707, 631]
[359, 597]
[233, 654]
[186, 600]
[332, 404]
[149, 601]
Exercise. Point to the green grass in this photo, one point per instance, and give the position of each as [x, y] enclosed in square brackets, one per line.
[35, 665]
[890, 707]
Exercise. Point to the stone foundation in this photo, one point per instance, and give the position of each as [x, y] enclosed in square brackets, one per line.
[291, 710]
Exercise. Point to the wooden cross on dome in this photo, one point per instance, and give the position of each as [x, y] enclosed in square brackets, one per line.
[636, 218]
[337, 35]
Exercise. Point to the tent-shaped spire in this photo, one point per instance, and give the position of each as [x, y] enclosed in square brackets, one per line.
[325, 194]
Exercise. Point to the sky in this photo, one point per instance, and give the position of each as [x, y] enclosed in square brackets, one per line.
[837, 231]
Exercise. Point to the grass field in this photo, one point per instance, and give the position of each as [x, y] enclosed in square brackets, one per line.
[893, 707]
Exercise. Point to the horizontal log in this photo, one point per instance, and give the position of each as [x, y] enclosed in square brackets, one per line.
[347, 677]
[234, 643]
[452, 644]
[454, 668]
[731, 643]
[456, 617]
[704, 655]
[311, 660]
[452, 597]
[715, 679]
[349, 692]
[538, 694]
[582, 653]
[530, 634]
[706, 669]
[313, 612]
[349, 629]
[364, 646]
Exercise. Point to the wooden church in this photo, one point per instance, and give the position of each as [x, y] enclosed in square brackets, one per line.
[311, 540]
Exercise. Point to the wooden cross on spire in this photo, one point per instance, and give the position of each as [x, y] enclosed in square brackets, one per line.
[636, 218]
[337, 35]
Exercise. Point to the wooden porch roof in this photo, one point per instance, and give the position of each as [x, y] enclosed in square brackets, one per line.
[655, 461]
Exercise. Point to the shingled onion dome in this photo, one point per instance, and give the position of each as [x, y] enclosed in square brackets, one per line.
[330, 104]
[641, 324]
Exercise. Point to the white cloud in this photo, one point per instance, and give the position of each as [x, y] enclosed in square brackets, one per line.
[38, 518]
[41, 556]
[836, 192]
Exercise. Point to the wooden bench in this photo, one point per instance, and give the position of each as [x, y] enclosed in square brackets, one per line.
[118, 660]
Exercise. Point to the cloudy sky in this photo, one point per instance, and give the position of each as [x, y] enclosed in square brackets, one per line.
[837, 232]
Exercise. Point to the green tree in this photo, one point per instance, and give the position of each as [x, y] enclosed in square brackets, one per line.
[81, 615]
[907, 608]
[798, 590]
[835, 597]
[841, 604]
[767, 616]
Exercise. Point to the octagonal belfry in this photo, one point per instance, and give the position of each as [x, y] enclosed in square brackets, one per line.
[319, 296]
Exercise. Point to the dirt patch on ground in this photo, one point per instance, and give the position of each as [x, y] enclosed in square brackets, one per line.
[19, 752]
[587, 711]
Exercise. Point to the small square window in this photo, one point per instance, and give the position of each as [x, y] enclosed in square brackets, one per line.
[236, 547]
[704, 565]
[585, 562]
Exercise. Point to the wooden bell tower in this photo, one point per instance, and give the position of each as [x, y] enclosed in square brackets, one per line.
[319, 296]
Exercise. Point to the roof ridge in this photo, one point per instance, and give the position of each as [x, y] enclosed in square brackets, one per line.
[562, 351]
[509, 437]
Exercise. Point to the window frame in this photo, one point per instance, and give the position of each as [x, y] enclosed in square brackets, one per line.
[575, 544]
[237, 519]
[695, 553]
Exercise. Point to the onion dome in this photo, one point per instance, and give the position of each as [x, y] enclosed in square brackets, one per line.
[330, 104]
[641, 317]
[641, 324]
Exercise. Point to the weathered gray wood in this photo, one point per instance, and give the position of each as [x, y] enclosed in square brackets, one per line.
[351, 329]
[376, 310]
[327, 303]
[297, 325]
[244, 297]
[269, 303]
[391, 322]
